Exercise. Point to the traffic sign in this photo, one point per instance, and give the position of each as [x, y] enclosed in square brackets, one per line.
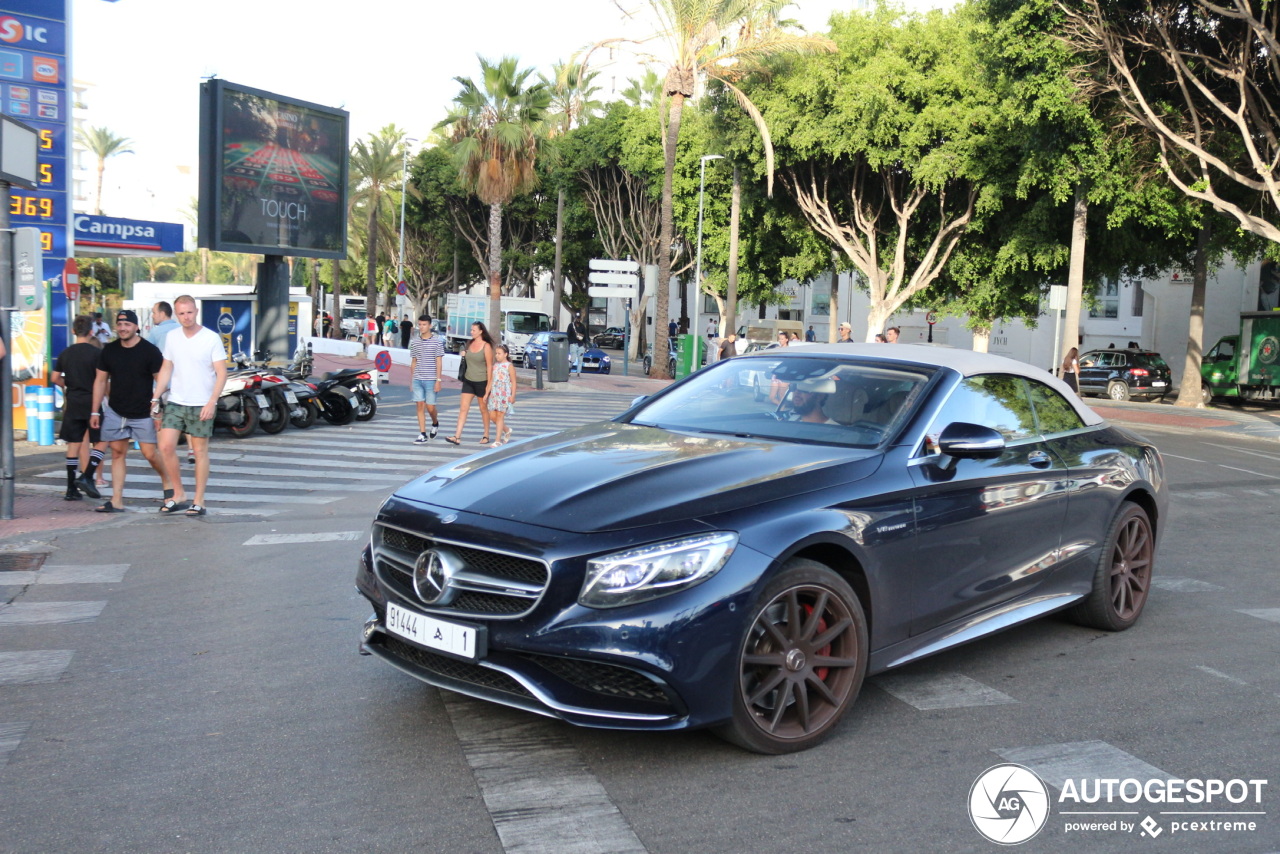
[618, 266]
[603, 291]
[71, 280]
[402, 288]
[930, 318]
[628, 279]
[382, 361]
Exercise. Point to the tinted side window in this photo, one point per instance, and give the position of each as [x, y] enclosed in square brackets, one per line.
[998, 401]
[1053, 412]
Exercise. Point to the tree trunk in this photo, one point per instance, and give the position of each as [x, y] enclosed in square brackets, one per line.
[557, 279]
[662, 299]
[735, 223]
[371, 266]
[981, 339]
[495, 272]
[336, 329]
[317, 301]
[97, 203]
[1075, 276]
[833, 319]
[1189, 389]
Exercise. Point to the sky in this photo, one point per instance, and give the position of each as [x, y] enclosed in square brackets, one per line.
[384, 61]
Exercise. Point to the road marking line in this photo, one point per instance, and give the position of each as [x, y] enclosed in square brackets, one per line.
[39, 613]
[930, 691]
[321, 537]
[1222, 675]
[1250, 471]
[539, 792]
[1272, 614]
[106, 573]
[210, 497]
[10, 737]
[1250, 453]
[34, 667]
[1176, 457]
[1184, 585]
[1057, 763]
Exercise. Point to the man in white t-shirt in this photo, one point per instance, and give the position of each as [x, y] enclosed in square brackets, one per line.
[194, 372]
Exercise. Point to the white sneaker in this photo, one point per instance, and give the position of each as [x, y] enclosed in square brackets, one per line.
[435, 428]
[421, 440]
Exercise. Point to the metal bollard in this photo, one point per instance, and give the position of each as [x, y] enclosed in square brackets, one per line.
[538, 372]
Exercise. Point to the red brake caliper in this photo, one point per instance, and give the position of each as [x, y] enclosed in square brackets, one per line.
[820, 672]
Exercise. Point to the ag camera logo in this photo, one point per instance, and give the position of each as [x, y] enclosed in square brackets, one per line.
[1008, 804]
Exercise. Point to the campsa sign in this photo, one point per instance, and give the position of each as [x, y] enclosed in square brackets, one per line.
[107, 235]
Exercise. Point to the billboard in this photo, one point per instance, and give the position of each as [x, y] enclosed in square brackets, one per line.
[273, 174]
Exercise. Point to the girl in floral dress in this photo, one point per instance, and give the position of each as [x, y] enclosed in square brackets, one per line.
[502, 394]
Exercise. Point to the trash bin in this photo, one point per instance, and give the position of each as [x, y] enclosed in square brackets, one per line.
[558, 359]
[686, 359]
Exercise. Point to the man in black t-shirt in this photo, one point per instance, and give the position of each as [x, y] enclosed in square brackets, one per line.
[74, 372]
[122, 393]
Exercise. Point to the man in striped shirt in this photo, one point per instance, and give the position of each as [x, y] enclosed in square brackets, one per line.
[427, 357]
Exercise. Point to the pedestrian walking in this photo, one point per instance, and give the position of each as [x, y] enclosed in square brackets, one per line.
[729, 346]
[380, 324]
[194, 372]
[426, 361]
[75, 372]
[502, 396]
[810, 336]
[846, 334]
[891, 335]
[1071, 369]
[162, 323]
[121, 407]
[101, 332]
[406, 331]
[477, 363]
[577, 333]
[390, 331]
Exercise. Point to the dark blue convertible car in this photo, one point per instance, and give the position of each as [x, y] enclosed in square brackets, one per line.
[719, 558]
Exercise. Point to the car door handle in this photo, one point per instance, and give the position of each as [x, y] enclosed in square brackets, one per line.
[1039, 459]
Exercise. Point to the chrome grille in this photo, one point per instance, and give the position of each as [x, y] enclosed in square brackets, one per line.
[484, 583]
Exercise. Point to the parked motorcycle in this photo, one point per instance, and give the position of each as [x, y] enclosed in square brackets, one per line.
[240, 406]
[359, 384]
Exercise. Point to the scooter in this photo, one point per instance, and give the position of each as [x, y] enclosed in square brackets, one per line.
[360, 385]
[240, 406]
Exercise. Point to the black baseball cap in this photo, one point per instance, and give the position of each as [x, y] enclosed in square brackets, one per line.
[127, 314]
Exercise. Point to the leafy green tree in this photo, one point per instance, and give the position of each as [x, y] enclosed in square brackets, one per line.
[102, 144]
[497, 129]
[717, 40]
[376, 164]
[883, 145]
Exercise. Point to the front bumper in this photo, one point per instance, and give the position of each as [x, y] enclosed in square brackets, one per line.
[669, 663]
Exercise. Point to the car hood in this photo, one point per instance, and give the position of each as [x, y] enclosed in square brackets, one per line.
[611, 476]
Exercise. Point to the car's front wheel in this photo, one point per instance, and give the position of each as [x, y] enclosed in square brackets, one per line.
[801, 663]
[1122, 579]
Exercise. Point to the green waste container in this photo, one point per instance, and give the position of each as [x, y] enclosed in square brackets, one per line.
[687, 359]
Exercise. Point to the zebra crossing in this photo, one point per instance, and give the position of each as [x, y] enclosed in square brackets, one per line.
[42, 666]
[322, 464]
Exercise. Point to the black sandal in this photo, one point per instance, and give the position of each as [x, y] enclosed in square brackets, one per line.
[453, 440]
[172, 508]
[108, 508]
[484, 440]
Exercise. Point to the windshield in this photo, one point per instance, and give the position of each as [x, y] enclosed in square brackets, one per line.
[812, 399]
[353, 312]
[527, 322]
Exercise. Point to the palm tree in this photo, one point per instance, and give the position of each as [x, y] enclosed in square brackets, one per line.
[571, 103]
[497, 129]
[375, 168]
[102, 143]
[721, 40]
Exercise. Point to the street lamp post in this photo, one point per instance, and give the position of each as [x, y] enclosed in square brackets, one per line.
[697, 275]
[404, 191]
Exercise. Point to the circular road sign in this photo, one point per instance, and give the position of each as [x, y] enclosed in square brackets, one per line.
[382, 362]
[930, 318]
[402, 288]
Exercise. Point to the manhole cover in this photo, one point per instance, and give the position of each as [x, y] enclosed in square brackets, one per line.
[21, 561]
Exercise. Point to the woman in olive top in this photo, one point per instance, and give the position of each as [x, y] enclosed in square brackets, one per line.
[478, 358]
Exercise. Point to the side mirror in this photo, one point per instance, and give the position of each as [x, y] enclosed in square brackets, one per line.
[970, 441]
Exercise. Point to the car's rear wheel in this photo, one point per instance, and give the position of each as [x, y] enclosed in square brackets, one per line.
[802, 662]
[1122, 579]
[1117, 390]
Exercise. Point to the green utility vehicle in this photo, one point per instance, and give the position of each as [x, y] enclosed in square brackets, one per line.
[1245, 365]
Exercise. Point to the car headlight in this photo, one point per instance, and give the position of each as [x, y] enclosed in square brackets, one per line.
[636, 575]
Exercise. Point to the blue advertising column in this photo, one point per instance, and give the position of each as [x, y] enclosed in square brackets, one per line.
[232, 319]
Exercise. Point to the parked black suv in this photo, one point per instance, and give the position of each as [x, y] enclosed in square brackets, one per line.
[1122, 374]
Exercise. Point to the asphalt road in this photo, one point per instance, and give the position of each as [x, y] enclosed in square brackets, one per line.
[193, 685]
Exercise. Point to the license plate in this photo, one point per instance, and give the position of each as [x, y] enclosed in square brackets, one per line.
[290, 396]
[262, 401]
[453, 638]
[1159, 384]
